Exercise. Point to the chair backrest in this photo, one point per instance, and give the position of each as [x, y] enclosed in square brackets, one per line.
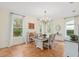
[38, 43]
[36, 36]
[52, 37]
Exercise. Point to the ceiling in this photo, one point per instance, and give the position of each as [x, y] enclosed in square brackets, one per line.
[36, 9]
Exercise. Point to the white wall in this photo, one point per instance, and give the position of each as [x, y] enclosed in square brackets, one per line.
[60, 22]
[76, 24]
[29, 19]
[4, 28]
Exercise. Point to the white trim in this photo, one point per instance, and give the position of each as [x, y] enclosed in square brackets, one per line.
[11, 30]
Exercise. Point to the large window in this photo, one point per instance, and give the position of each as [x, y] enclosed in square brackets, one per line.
[17, 25]
[69, 27]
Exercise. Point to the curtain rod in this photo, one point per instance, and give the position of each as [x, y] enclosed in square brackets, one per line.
[71, 16]
[16, 14]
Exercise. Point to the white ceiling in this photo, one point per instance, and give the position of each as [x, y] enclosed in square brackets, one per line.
[36, 9]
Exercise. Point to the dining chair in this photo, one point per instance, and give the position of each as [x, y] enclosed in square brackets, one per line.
[51, 40]
[38, 43]
[48, 42]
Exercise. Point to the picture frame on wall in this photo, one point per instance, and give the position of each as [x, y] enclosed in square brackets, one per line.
[31, 25]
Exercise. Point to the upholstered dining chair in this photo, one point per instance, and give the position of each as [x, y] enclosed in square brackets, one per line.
[51, 40]
[47, 43]
[39, 44]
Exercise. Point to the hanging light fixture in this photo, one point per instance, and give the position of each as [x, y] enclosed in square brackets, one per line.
[45, 19]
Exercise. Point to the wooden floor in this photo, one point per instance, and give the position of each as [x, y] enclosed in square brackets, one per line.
[29, 50]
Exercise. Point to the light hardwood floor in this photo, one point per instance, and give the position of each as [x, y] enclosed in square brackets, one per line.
[29, 50]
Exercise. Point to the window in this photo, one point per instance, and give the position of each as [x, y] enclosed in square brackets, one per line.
[69, 27]
[17, 27]
[17, 24]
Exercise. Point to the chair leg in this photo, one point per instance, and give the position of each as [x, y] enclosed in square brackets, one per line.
[48, 47]
[41, 48]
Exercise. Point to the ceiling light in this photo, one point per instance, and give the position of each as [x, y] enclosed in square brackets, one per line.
[45, 18]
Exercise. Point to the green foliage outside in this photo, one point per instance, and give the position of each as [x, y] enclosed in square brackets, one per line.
[17, 32]
[70, 32]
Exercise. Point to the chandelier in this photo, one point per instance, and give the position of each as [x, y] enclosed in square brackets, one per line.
[45, 23]
[45, 18]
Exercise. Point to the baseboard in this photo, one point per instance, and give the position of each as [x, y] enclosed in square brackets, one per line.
[13, 45]
[18, 44]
